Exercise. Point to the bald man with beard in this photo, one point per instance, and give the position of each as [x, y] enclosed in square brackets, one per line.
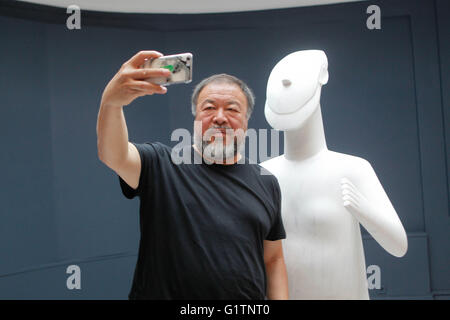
[210, 228]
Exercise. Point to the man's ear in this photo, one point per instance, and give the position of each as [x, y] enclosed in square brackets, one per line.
[323, 76]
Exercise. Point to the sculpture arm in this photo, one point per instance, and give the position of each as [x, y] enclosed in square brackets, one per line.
[367, 201]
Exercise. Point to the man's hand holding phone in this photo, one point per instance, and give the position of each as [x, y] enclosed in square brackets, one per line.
[132, 81]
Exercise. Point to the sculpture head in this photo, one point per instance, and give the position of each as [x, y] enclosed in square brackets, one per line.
[293, 89]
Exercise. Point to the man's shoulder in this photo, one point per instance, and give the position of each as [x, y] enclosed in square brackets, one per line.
[153, 153]
[157, 147]
[264, 174]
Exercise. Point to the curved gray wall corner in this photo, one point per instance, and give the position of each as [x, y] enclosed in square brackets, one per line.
[387, 100]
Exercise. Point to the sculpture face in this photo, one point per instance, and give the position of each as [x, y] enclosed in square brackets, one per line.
[293, 89]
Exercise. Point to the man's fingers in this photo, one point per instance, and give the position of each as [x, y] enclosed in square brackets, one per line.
[139, 58]
[147, 87]
[146, 73]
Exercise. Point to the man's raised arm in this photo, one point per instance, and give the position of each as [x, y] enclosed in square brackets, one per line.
[112, 135]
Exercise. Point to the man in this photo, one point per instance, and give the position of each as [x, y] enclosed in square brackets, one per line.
[211, 229]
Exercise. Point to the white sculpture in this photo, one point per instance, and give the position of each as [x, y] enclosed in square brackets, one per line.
[325, 194]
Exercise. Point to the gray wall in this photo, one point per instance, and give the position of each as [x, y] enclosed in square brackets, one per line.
[387, 100]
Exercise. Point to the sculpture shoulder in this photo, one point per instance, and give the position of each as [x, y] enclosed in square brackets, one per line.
[353, 166]
[348, 158]
[272, 163]
[329, 164]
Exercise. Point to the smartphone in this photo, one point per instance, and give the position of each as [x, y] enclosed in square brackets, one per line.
[180, 66]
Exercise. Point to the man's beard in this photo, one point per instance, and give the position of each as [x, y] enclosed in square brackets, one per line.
[216, 151]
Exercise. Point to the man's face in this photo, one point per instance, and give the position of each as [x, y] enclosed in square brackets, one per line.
[222, 112]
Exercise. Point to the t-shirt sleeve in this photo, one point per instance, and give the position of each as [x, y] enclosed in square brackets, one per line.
[277, 231]
[148, 155]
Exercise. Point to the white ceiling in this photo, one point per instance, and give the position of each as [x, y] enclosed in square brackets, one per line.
[183, 6]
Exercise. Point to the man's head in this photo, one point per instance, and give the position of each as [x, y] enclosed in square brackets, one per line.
[222, 104]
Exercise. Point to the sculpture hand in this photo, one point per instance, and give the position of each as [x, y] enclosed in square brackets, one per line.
[378, 218]
[353, 200]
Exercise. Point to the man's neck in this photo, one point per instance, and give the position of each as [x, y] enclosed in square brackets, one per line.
[228, 161]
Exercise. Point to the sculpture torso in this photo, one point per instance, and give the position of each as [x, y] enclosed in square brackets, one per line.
[323, 249]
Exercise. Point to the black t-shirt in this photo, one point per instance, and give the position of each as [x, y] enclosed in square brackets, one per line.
[202, 227]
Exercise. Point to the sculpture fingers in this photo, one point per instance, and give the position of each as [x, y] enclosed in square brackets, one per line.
[345, 182]
[349, 201]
